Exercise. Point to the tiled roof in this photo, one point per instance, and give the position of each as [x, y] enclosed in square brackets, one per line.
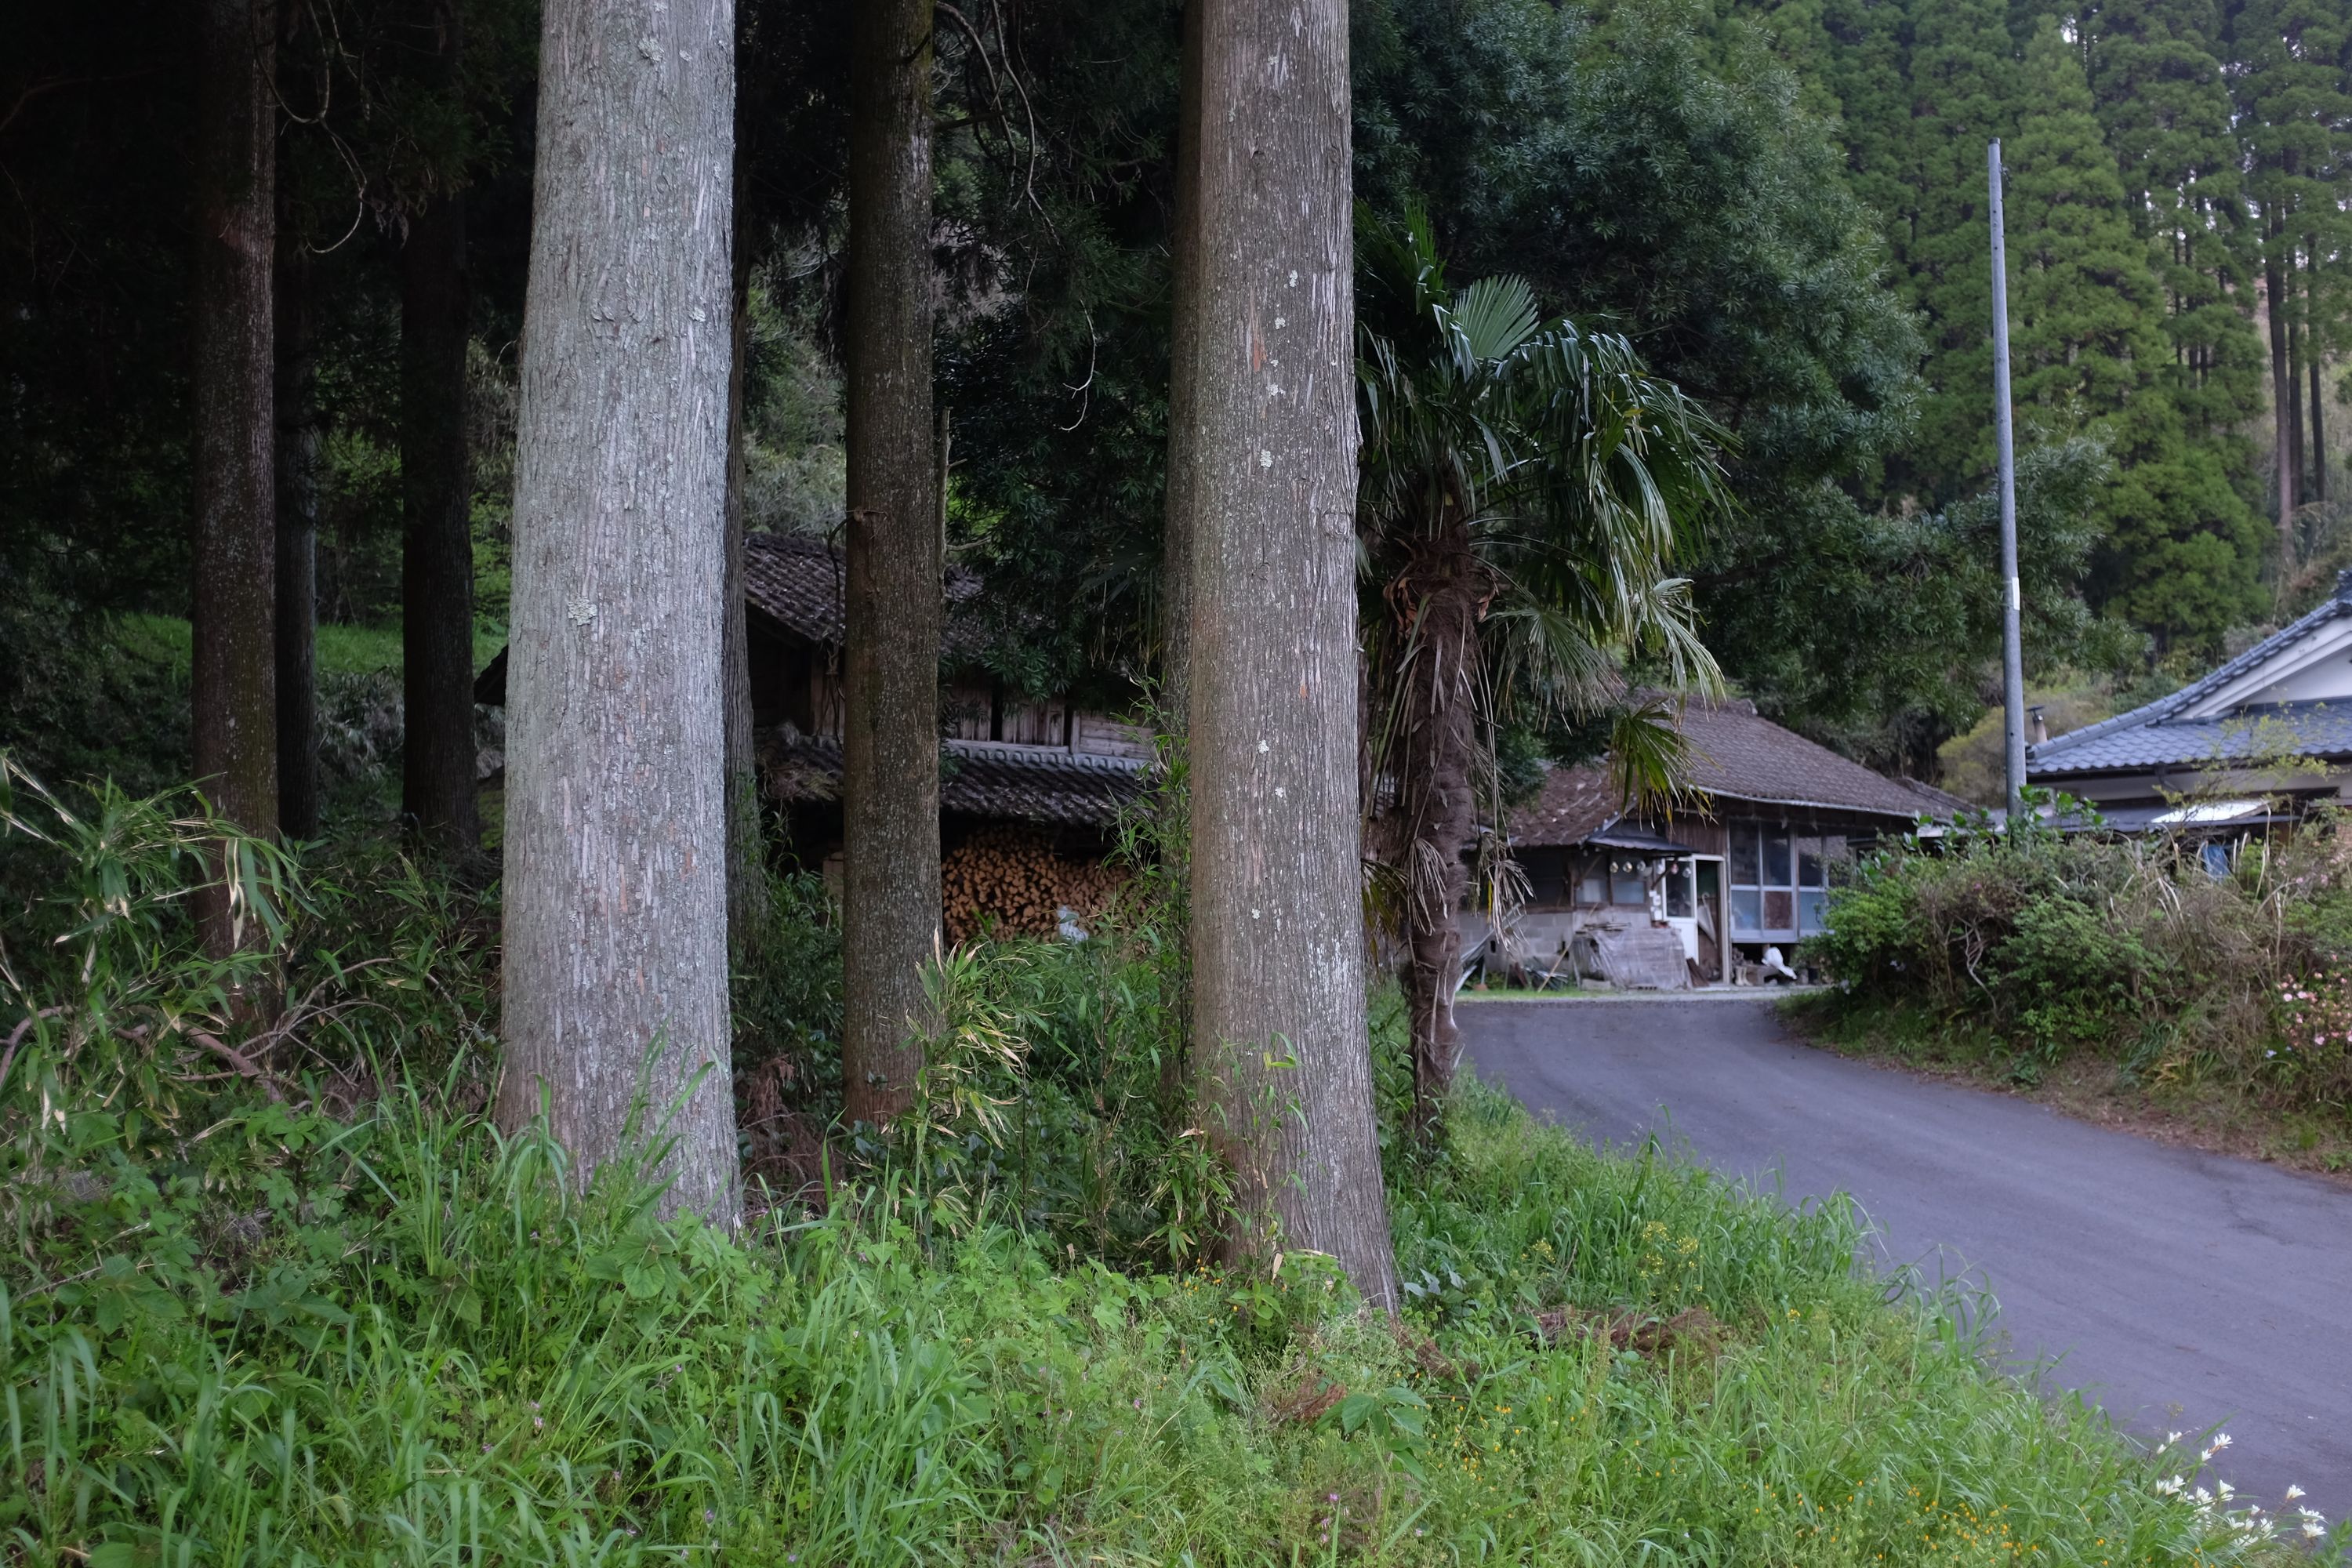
[796, 579]
[1738, 754]
[1573, 805]
[2149, 736]
[2311, 729]
[1735, 755]
[983, 778]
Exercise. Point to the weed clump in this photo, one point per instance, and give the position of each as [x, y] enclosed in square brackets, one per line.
[2180, 963]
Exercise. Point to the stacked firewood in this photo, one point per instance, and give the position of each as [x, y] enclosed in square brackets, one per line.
[1011, 881]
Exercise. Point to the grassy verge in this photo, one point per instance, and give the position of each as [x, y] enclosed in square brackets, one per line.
[2184, 1099]
[426, 1351]
[329, 1315]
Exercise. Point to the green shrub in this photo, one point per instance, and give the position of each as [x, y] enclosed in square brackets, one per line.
[2132, 949]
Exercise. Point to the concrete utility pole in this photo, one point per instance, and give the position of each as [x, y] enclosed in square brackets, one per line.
[2013, 646]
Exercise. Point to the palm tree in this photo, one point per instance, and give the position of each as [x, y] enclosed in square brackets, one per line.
[1525, 488]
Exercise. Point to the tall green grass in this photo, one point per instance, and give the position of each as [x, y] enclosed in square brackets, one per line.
[332, 1316]
[429, 1349]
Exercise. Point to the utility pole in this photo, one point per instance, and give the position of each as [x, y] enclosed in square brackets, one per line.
[2013, 646]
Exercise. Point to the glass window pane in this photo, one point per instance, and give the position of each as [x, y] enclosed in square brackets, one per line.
[1746, 912]
[1812, 871]
[1779, 909]
[1813, 911]
[1743, 856]
[1625, 885]
[1678, 893]
[1594, 888]
[1776, 858]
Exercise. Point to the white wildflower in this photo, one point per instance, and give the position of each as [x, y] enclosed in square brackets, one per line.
[2293, 1493]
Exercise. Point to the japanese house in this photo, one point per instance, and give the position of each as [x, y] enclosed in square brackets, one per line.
[1057, 765]
[1743, 866]
[2207, 758]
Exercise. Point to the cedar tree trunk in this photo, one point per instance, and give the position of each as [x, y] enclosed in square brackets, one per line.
[747, 877]
[436, 558]
[232, 686]
[2282, 420]
[1279, 1045]
[1184, 341]
[615, 857]
[298, 543]
[2312, 357]
[1440, 592]
[890, 674]
[2294, 359]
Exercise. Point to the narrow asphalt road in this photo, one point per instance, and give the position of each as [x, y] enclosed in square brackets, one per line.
[2179, 1290]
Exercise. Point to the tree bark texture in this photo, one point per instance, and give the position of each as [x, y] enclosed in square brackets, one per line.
[890, 675]
[297, 505]
[1279, 1045]
[233, 693]
[2295, 336]
[437, 557]
[2282, 417]
[747, 874]
[615, 856]
[2315, 357]
[1440, 597]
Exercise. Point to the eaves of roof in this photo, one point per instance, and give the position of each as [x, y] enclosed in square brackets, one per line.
[2048, 755]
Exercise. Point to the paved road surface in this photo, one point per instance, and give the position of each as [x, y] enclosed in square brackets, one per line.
[2180, 1290]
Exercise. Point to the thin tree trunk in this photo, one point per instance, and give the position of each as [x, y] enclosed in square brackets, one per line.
[2282, 418]
[890, 678]
[2313, 358]
[1279, 1045]
[1172, 802]
[615, 856]
[232, 686]
[2294, 341]
[297, 504]
[436, 560]
[1184, 343]
[747, 872]
[1434, 774]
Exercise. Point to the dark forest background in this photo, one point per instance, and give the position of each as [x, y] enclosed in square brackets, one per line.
[1782, 204]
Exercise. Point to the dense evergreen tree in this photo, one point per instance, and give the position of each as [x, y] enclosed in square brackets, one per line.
[2288, 68]
[1964, 91]
[2158, 86]
[2090, 354]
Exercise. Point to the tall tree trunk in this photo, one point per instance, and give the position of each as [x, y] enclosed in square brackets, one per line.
[1433, 771]
[890, 676]
[615, 854]
[297, 503]
[2295, 342]
[747, 872]
[436, 558]
[232, 685]
[2313, 357]
[1277, 918]
[1172, 802]
[2281, 402]
[1184, 345]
